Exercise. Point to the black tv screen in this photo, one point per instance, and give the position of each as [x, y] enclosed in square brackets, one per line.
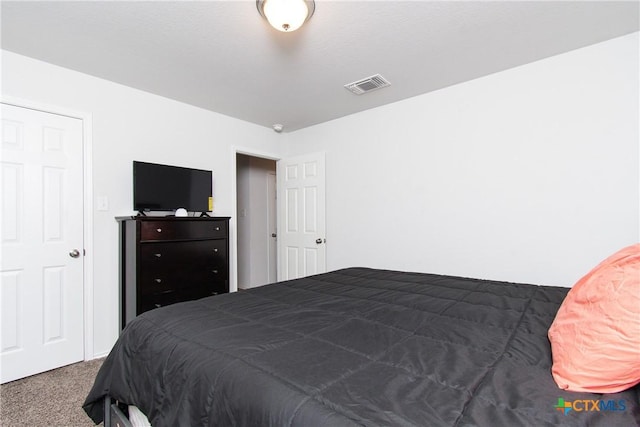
[166, 188]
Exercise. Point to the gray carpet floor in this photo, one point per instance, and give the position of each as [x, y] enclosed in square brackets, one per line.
[52, 399]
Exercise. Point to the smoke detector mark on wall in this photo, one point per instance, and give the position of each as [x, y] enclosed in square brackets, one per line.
[368, 84]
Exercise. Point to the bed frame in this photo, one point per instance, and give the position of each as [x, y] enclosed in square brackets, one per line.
[113, 415]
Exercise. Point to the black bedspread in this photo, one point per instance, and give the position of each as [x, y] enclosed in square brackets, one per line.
[353, 347]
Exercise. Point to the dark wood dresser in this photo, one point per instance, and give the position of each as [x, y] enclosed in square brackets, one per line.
[164, 260]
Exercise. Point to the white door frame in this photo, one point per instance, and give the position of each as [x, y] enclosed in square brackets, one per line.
[87, 214]
[233, 232]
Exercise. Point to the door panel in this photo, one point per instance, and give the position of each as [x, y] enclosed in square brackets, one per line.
[301, 216]
[42, 212]
[272, 248]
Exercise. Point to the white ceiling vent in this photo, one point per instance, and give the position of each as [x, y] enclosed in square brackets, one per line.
[368, 84]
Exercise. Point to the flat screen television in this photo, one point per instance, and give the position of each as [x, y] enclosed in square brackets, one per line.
[159, 187]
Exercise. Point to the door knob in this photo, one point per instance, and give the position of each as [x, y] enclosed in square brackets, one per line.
[74, 253]
[318, 241]
[274, 235]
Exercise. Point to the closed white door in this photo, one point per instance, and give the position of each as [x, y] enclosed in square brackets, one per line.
[272, 248]
[41, 268]
[301, 216]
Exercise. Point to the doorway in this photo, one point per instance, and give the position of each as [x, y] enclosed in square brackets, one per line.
[256, 221]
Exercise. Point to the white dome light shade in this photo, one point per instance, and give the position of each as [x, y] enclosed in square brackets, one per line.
[285, 15]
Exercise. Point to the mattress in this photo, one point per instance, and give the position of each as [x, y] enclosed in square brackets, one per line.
[137, 418]
[356, 346]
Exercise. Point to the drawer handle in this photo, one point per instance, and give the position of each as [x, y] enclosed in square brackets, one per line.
[158, 255]
[214, 271]
[217, 228]
[159, 230]
[158, 280]
[215, 249]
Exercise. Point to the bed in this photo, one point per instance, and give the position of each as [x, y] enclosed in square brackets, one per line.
[356, 346]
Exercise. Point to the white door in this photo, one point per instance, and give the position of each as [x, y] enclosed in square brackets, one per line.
[301, 216]
[272, 249]
[41, 268]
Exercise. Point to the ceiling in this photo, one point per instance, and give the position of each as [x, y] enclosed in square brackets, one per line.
[224, 57]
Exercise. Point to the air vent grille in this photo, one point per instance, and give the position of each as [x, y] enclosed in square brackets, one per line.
[368, 84]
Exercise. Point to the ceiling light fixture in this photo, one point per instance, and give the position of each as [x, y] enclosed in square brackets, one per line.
[286, 15]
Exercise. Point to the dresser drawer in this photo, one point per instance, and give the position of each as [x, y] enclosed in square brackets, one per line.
[158, 300]
[171, 297]
[177, 256]
[157, 283]
[182, 230]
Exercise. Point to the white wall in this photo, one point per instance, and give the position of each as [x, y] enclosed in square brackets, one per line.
[128, 125]
[531, 174]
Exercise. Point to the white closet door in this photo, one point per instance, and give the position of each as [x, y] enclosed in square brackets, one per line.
[272, 247]
[41, 267]
[301, 216]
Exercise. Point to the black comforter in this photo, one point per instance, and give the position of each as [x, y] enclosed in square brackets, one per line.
[353, 347]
